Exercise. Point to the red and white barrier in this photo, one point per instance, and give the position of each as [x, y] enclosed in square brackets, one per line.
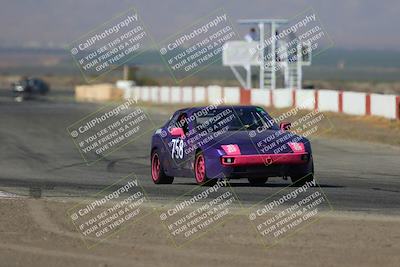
[231, 95]
[214, 94]
[164, 92]
[154, 94]
[200, 94]
[385, 106]
[328, 100]
[145, 94]
[187, 94]
[282, 98]
[175, 94]
[260, 97]
[304, 99]
[353, 103]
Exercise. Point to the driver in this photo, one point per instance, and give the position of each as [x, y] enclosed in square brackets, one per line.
[182, 121]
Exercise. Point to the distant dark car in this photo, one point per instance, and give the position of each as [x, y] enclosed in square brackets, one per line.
[29, 88]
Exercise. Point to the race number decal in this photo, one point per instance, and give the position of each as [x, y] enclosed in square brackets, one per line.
[177, 148]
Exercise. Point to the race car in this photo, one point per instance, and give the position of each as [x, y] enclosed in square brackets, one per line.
[229, 142]
[28, 88]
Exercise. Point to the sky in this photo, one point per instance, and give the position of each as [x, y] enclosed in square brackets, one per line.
[352, 24]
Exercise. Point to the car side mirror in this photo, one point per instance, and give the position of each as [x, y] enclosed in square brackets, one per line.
[177, 132]
[285, 126]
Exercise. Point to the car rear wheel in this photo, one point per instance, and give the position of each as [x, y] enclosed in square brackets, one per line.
[257, 181]
[157, 172]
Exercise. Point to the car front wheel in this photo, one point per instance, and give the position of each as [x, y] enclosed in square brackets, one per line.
[157, 172]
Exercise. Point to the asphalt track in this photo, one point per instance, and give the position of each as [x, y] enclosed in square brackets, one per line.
[36, 153]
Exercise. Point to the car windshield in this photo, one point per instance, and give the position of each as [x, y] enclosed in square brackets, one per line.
[235, 119]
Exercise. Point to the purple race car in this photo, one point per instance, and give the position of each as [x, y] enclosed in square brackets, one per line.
[228, 142]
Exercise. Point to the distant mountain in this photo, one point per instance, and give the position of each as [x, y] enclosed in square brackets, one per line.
[332, 64]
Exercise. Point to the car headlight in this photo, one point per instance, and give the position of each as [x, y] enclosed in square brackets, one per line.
[297, 147]
[231, 149]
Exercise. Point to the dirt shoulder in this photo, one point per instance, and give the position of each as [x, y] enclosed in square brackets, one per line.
[37, 233]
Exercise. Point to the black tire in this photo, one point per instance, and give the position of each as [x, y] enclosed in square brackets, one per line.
[303, 175]
[257, 181]
[157, 174]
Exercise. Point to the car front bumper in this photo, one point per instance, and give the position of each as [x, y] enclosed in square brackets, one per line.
[264, 159]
